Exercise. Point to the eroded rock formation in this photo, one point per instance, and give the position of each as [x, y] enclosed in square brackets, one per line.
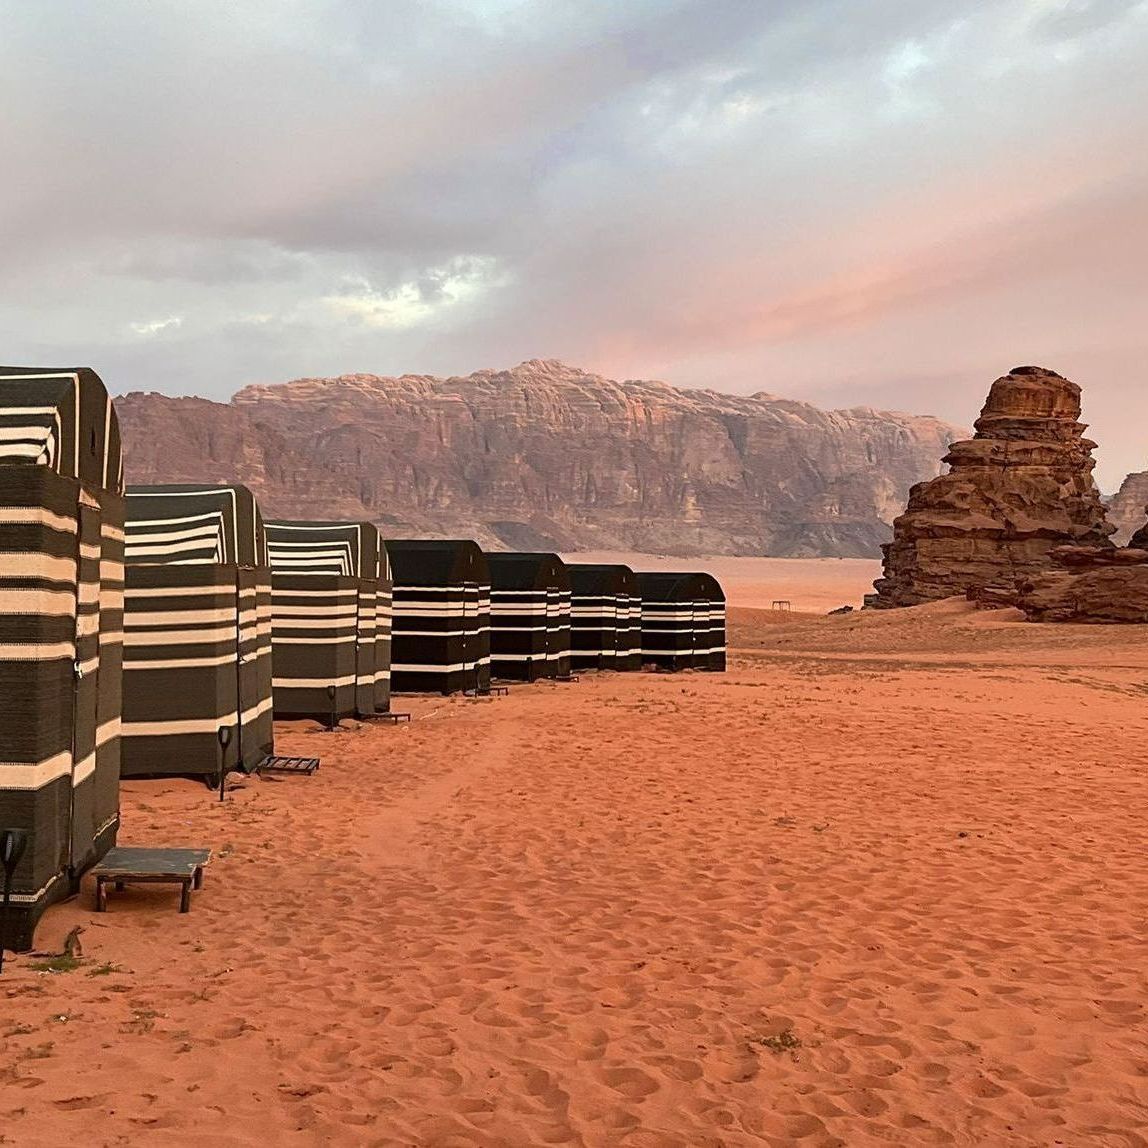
[1094, 584]
[545, 457]
[1020, 487]
[1127, 509]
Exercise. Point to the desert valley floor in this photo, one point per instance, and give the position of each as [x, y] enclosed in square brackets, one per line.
[884, 882]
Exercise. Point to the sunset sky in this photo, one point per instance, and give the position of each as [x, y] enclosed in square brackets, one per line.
[883, 203]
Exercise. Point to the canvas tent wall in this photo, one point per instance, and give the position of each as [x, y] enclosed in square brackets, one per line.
[331, 619]
[711, 600]
[683, 621]
[605, 617]
[61, 629]
[529, 616]
[197, 633]
[440, 636]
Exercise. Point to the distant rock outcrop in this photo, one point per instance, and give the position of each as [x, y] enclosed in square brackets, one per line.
[548, 457]
[1021, 486]
[1128, 507]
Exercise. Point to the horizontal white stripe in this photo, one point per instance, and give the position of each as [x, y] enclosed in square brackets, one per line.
[84, 769]
[36, 516]
[176, 618]
[32, 898]
[87, 625]
[39, 566]
[436, 668]
[312, 683]
[222, 587]
[40, 652]
[294, 622]
[175, 637]
[132, 664]
[45, 603]
[23, 775]
[340, 598]
[340, 640]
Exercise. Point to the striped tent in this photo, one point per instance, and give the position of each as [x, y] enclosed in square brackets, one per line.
[197, 631]
[331, 619]
[529, 616]
[606, 617]
[440, 638]
[683, 621]
[61, 629]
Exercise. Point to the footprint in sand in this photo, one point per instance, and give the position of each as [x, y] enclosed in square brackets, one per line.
[632, 1083]
[677, 1068]
[79, 1103]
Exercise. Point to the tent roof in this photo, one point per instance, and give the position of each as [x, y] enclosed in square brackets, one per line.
[437, 562]
[61, 418]
[527, 571]
[601, 578]
[187, 523]
[360, 542]
[679, 586]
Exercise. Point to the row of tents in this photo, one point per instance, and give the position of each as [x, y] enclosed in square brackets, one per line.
[160, 630]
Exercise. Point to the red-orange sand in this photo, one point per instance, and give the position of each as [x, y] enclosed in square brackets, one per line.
[884, 882]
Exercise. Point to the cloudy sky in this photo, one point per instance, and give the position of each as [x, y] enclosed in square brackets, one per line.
[878, 202]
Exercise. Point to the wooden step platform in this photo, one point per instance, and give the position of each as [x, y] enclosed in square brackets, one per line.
[124, 865]
[394, 717]
[302, 765]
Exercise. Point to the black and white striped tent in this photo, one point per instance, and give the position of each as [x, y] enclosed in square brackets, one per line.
[683, 621]
[61, 629]
[605, 617]
[331, 619]
[197, 631]
[440, 636]
[529, 616]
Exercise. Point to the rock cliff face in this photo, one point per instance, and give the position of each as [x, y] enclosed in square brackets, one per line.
[1021, 486]
[1127, 510]
[545, 456]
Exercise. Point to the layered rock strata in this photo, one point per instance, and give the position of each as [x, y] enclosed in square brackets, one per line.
[1020, 487]
[548, 457]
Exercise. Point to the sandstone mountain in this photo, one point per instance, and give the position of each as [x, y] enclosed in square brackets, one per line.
[549, 456]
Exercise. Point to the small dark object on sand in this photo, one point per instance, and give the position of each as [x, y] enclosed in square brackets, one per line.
[841, 610]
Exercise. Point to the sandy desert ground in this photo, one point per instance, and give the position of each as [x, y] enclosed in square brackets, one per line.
[884, 882]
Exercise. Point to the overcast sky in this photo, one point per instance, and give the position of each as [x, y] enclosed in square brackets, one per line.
[878, 202]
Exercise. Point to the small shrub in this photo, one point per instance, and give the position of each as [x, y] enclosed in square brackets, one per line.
[785, 1041]
[64, 963]
[104, 970]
